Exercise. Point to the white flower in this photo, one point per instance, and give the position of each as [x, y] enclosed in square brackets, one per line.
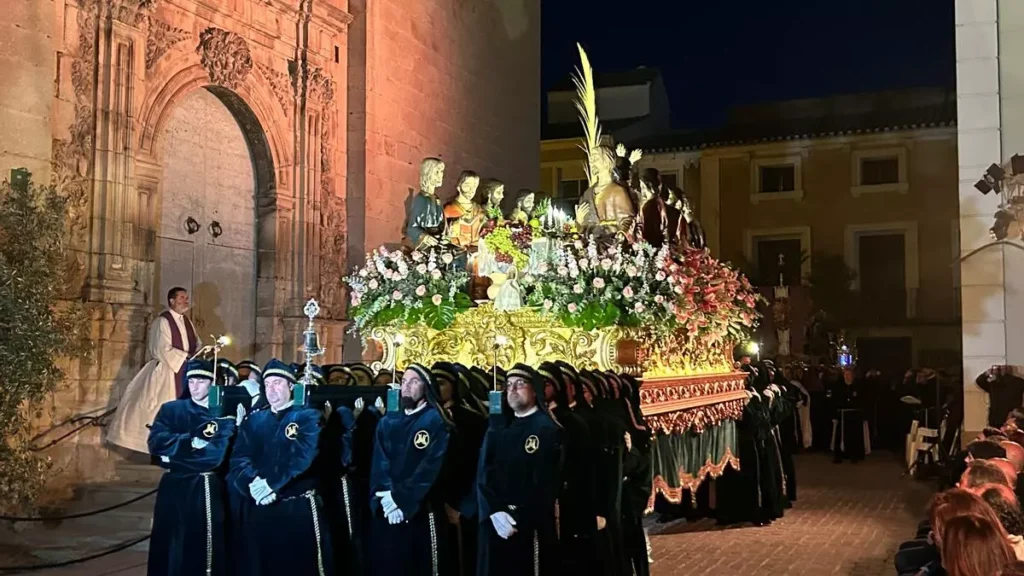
[436, 299]
[363, 273]
[660, 276]
[396, 295]
[573, 273]
[417, 256]
[638, 307]
[598, 282]
[631, 271]
[388, 274]
[435, 274]
[373, 284]
[571, 308]
[421, 269]
[548, 304]
[421, 290]
[578, 245]
[627, 292]
[606, 264]
[563, 271]
[447, 258]
[431, 265]
[584, 263]
[577, 288]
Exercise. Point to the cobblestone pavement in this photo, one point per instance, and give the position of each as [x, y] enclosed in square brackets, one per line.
[848, 519]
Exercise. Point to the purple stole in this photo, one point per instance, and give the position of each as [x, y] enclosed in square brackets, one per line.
[178, 343]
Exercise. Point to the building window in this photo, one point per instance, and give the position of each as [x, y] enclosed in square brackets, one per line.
[776, 179]
[569, 194]
[771, 269]
[879, 171]
[882, 268]
[670, 179]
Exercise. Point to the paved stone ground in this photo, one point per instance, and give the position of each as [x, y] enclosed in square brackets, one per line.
[848, 519]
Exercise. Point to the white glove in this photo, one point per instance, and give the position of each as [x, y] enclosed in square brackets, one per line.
[239, 415]
[504, 524]
[328, 409]
[165, 459]
[379, 404]
[268, 499]
[199, 444]
[387, 502]
[358, 407]
[396, 517]
[259, 489]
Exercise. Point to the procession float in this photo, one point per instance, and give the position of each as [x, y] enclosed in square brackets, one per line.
[624, 284]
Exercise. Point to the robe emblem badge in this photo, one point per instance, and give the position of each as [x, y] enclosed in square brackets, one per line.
[421, 440]
[532, 444]
[291, 431]
[210, 430]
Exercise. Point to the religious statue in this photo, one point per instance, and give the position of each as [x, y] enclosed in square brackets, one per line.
[659, 221]
[606, 207]
[465, 217]
[694, 231]
[494, 190]
[426, 225]
[524, 207]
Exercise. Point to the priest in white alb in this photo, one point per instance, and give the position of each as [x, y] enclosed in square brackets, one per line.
[172, 341]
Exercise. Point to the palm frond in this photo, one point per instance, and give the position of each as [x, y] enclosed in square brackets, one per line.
[586, 105]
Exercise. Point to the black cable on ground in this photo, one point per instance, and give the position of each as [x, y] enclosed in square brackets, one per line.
[79, 515]
[89, 421]
[118, 548]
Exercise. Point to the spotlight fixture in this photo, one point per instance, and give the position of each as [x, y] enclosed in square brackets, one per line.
[983, 186]
[1017, 164]
[996, 172]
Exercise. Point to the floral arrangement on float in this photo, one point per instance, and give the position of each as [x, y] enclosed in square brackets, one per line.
[399, 288]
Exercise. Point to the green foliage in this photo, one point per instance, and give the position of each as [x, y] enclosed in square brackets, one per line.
[36, 328]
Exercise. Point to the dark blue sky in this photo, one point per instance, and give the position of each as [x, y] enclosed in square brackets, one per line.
[716, 54]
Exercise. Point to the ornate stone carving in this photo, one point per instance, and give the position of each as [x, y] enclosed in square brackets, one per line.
[332, 237]
[280, 84]
[226, 57]
[159, 39]
[72, 157]
[131, 12]
[310, 82]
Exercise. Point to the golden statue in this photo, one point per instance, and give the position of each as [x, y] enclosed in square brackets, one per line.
[524, 207]
[465, 217]
[606, 207]
[426, 217]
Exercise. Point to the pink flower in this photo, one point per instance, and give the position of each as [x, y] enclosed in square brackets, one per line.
[660, 276]
[436, 299]
[584, 263]
[417, 256]
[659, 299]
[638, 307]
[388, 274]
[577, 288]
[606, 264]
[571, 308]
[363, 273]
[598, 282]
[563, 271]
[679, 289]
[421, 290]
[356, 299]
[396, 295]
[373, 284]
[628, 292]
[631, 271]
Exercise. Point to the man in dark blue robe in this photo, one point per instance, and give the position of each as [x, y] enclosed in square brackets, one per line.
[337, 466]
[518, 482]
[407, 496]
[274, 463]
[470, 424]
[188, 536]
[637, 478]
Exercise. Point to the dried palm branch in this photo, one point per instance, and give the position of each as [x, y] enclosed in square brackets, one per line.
[586, 105]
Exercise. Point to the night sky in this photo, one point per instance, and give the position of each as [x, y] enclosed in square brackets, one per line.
[718, 54]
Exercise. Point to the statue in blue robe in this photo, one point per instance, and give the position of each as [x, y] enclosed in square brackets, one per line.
[518, 481]
[189, 536]
[285, 528]
[406, 488]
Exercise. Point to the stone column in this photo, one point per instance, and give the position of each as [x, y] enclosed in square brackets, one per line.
[990, 109]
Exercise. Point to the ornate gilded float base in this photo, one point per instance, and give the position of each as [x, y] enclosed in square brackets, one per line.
[674, 404]
[528, 337]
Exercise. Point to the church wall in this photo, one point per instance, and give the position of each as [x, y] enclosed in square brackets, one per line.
[27, 64]
[457, 80]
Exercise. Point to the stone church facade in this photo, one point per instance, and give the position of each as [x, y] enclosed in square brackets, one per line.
[250, 150]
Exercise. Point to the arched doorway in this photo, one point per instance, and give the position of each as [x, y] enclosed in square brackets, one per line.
[206, 232]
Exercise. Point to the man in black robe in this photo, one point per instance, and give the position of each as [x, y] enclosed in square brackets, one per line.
[274, 464]
[637, 481]
[847, 418]
[407, 495]
[578, 521]
[460, 466]
[615, 425]
[189, 528]
[518, 482]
